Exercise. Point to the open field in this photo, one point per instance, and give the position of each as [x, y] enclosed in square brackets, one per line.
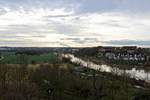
[12, 58]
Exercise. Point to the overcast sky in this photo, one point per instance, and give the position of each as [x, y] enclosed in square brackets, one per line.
[74, 23]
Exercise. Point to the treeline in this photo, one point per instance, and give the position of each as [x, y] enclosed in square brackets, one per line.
[91, 51]
[31, 52]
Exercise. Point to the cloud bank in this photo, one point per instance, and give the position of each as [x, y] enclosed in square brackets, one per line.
[74, 23]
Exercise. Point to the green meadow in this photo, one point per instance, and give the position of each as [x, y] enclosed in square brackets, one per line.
[12, 58]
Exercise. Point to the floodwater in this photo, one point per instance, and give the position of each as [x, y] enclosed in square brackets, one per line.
[137, 74]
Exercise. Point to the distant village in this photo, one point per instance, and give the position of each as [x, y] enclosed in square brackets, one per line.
[126, 53]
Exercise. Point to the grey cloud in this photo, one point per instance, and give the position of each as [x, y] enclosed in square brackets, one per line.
[87, 41]
[34, 30]
[58, 16]
[128, 42]
[81, 6]
[70, 39]
[64, 44]
[91, 39]
[66, 29]
[29, 4]
[85, 34]
[2, 11]
[25, 42]
[113, 24]
[81, 40]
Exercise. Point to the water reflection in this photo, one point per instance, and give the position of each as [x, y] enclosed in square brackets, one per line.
[133, 73]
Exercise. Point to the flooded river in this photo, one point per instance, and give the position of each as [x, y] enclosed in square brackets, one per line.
[133, 73]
